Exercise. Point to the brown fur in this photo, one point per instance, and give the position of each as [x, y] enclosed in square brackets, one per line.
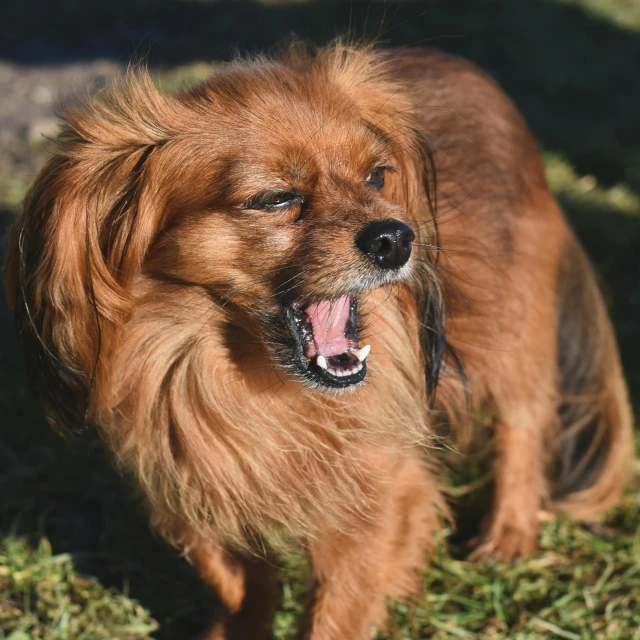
[146, 292]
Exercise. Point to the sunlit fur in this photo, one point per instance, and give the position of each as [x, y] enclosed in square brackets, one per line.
[148, 305]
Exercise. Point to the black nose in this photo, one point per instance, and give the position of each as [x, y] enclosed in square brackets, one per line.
[387, 243]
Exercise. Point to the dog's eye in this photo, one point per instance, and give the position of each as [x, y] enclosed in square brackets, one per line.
[376, 177]
[274, 200]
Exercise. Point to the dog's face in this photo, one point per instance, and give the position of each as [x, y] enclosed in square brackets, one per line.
[280, 193]
[283, 210]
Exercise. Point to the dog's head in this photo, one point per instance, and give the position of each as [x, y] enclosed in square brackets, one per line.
[282, 190]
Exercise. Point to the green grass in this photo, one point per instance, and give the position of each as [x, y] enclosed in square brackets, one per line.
[44, 597]
[583, 584]
[77, 560]
[624, 13]
[584, 192]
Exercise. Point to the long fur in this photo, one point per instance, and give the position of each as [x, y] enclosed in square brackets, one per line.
[145, 298]
[596, 427]
[145, 362]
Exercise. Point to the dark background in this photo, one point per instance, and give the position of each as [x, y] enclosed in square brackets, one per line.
[574, 74]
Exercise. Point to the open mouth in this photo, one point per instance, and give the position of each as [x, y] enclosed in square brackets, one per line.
[325, 333]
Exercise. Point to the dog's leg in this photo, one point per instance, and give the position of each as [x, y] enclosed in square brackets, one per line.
[523, 442]
[356, 572]
[520, 485]
[513, 367]
[246, 588]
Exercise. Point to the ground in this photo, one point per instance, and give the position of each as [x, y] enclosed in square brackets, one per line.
[77, 561]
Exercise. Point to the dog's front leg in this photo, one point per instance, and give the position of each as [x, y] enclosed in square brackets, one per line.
[379, 558]
[246, 587]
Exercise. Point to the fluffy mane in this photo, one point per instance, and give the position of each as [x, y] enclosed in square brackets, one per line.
[236, 448]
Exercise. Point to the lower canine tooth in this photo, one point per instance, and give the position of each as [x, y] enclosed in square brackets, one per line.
[361, 354]
[321, 361]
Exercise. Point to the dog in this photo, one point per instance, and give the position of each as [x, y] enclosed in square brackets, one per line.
[269, 292]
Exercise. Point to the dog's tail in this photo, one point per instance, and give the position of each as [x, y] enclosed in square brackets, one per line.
[594, 448]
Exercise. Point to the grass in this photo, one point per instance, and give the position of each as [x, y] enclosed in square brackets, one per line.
[583, 584]
[77, 560]
[44, 597]
[621, 12]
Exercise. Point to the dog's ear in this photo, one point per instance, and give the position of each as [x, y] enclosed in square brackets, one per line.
[80, 241]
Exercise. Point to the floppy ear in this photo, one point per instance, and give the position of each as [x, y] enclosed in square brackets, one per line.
[81, 239]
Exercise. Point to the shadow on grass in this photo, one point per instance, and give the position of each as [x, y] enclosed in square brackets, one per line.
[574, 75]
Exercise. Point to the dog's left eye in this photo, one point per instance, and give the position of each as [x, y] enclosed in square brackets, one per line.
[274, 200]
[376, 177]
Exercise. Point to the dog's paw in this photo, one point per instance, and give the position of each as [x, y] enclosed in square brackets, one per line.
[504, 542]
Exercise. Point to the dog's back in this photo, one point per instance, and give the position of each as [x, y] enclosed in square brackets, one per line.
[525, 319]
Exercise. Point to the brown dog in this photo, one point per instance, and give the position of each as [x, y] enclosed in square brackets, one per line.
[202, 276]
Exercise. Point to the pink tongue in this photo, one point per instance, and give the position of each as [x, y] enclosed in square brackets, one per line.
[329, 320]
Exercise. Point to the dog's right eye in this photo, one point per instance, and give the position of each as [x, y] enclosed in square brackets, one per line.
[274, 200]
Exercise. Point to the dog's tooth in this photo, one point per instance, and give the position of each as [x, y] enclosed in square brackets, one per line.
[362, 354]
[359, 367]
[321, 361]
